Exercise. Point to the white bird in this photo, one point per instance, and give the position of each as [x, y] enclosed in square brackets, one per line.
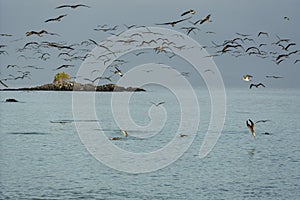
[250, 125]
[124, 133]
[247, 77]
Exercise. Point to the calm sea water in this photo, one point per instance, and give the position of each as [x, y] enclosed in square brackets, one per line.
[44, 160]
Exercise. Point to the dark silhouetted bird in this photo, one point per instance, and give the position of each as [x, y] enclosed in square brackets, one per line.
[257, 85]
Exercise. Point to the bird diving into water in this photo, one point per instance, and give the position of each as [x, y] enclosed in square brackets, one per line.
[250, 125]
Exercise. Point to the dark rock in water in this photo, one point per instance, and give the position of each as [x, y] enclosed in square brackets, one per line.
[11, 100]
[73, 86]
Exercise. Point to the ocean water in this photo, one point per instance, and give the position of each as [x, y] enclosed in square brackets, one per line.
[44, 160]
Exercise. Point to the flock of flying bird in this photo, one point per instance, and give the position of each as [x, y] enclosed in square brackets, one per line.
[279, 50]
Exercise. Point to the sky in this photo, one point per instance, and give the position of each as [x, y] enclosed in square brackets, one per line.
[277, 18]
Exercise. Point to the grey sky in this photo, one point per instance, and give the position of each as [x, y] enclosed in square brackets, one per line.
[228, 17]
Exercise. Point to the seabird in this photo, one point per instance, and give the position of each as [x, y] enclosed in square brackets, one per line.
[118, 71]
[124, 133]
[3, 84]
[188, 12]
[56, 19]
[257, 85]
[274, 77]
[64, 66]
[263, 33]
[115, 138]
[72, 6]
[39, 33]
[183, 135]
[247, 77]
[173, 23]
[286, 48]
[262, 121]
[5, 34]
[157, 104]
[206, 19]
[250, 125]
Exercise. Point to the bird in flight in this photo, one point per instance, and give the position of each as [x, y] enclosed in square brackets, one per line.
[247, 77]
[262, 121]
[286, 48]
[56, 19]
[115, 138]
[188, 12]
[64, 66]
[124, 133]
[257, 85]
[40, 33]
[118, 71]
[173, 23]
[274, 77]
[3, 84]
[206, 19]
[157, 104]
[250, 125]
[72, 6]
[183, 135]
[5, 34]
[263, 33]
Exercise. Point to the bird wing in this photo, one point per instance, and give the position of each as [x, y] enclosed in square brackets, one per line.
[160, 103]
[62, 6]
[3, 84]
[166, 23]
[251, 85]
[185, 13]
[49, 20]
[181, 20]
[82, 5]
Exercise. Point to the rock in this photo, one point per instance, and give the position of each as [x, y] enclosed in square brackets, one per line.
[73, 86]
[11, 100]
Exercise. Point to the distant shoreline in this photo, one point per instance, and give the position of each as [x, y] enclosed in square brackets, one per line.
[73, 86]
